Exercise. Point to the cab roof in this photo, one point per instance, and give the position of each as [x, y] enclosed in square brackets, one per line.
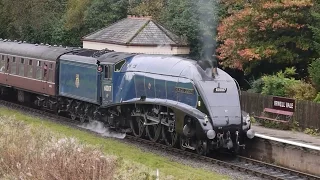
[91, 56]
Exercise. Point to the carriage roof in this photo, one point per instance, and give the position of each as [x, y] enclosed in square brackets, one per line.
[45, 52]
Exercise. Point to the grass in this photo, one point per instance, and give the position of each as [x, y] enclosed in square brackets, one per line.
[121, 161]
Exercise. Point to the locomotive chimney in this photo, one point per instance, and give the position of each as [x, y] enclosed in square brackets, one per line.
[214, 66]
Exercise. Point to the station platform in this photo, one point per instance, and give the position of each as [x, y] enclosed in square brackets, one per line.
[288, 136]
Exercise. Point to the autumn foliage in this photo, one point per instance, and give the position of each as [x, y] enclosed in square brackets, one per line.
[264, 30]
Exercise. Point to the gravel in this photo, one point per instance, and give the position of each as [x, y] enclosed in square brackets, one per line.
[233, 174]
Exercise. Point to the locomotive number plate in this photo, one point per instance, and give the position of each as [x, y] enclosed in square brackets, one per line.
[107, 88]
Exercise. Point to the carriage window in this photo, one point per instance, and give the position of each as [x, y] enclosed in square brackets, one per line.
[30, 69]
[50, 73]
[13, 66]
[8, 64]
[21, 67]
[2, 64]
[39, 71]
[50, 79]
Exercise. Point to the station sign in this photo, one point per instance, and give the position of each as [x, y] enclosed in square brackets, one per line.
[284, 104]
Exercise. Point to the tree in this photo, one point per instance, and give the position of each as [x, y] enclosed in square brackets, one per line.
[74, 16]
[195, 20]
[147, 8]
[30, 20]
[104, 12]
[269, 31]
[315, 25]
[314, 71]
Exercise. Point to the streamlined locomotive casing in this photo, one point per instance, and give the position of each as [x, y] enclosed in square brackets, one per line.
[182, 85]
[164, 90]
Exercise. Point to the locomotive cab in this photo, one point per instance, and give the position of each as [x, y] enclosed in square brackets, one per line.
[111, 72]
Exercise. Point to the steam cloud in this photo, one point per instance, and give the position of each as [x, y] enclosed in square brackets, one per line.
[207, 11]
[99, 127]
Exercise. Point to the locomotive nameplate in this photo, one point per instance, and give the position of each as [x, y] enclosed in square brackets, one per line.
[184, 90]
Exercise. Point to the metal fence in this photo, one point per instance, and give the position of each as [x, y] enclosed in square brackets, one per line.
[307, 113]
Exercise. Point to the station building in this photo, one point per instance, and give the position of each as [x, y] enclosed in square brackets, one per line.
[137, 35]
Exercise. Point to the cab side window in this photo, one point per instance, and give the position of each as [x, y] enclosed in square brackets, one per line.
[119, 65]
[107, 72]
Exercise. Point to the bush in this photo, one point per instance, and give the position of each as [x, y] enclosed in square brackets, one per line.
[301, 91]
[276, 85]
[317, 99]
[283, 84]
[257, 86]
[314, 71]
[27, 152]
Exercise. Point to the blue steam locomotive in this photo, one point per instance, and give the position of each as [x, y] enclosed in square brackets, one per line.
[165, 98]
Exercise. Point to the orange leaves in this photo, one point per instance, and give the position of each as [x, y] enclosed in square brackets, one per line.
[256, 32]
[264, 24]
[281, 23]
[269, 52]
[287, 4]
[276, 24]
[224, 27]
[242, 31]
[248, 54]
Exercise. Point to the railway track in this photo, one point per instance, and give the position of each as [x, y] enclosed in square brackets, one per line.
[243, 164]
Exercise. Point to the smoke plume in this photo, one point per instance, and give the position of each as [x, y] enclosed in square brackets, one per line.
[207, 11]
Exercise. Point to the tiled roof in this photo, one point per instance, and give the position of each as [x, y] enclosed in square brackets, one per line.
[136, 31]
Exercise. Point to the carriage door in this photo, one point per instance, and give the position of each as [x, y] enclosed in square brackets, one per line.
[7, 67]
[2, 69]
[45, 76]
[107, 84]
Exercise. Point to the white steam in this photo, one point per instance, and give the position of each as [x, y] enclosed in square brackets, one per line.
[207, 11]
[99, 127]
